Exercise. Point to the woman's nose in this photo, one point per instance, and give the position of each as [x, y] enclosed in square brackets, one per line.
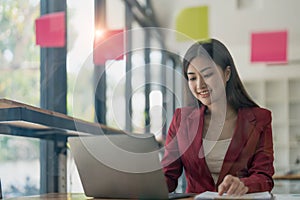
[201, 84]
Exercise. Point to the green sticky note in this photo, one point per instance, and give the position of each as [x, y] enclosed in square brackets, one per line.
[192, 24]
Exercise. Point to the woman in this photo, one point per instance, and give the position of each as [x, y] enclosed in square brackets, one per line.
[225, 143]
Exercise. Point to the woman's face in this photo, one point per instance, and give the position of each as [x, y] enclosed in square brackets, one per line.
[206, 80]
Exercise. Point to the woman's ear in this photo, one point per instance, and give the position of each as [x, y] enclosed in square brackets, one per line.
[227, 73]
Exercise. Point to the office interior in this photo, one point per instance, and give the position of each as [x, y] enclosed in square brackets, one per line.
[139, 91]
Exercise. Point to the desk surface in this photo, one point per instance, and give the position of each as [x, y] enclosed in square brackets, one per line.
[25, 120]
[287, 177]
[79, 196]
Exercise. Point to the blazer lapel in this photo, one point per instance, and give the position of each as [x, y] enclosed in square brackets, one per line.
[195, 126]
[245, 126]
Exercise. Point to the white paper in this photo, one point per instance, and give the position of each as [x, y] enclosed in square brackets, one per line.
[215, 195]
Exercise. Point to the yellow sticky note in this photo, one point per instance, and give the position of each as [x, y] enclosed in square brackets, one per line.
[192, 24]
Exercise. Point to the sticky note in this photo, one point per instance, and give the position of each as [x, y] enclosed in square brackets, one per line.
[50, 30]
[269, 47]
[109, 45]
[192, 24]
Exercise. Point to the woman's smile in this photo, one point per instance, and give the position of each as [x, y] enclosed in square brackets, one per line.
[204, 93]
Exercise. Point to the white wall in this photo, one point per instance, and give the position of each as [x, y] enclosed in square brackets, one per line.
[234, 25]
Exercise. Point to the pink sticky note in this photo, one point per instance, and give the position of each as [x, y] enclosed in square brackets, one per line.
[269, 47]
[50, 30]
[108, 46]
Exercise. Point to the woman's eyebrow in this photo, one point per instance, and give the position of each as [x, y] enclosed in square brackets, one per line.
[206, 68]
[202, 70]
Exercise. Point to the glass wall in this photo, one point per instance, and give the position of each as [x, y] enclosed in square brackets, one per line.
[80, 99]
[19, 81]
[19, 56]
[80, 26]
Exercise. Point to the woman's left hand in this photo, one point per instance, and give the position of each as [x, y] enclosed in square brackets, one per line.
[232, 186]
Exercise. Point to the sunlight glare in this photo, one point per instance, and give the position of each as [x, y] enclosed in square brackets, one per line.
[99, 33]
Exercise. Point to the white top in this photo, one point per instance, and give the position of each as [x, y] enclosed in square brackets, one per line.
[214, 152]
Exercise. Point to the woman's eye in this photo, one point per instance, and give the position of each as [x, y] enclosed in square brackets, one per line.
[192, 78]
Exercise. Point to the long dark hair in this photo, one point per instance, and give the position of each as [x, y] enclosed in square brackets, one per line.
[236, 94]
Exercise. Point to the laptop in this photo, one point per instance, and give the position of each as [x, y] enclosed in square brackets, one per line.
[120, 166]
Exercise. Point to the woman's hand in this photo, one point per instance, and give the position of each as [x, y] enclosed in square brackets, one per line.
[232, 186]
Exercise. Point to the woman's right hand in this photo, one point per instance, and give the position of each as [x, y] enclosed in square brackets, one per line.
[232, 186]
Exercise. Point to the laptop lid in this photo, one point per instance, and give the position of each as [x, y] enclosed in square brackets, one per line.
[119, 166]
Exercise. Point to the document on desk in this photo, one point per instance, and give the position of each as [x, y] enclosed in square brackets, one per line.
[214, 195]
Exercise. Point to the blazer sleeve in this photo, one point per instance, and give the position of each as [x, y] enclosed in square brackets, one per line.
[171, 162]
[262, 169]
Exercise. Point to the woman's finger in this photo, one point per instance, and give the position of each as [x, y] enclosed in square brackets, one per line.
[224, 186]
[234, 186]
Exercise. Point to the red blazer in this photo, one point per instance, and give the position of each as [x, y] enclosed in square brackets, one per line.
[249, 156]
